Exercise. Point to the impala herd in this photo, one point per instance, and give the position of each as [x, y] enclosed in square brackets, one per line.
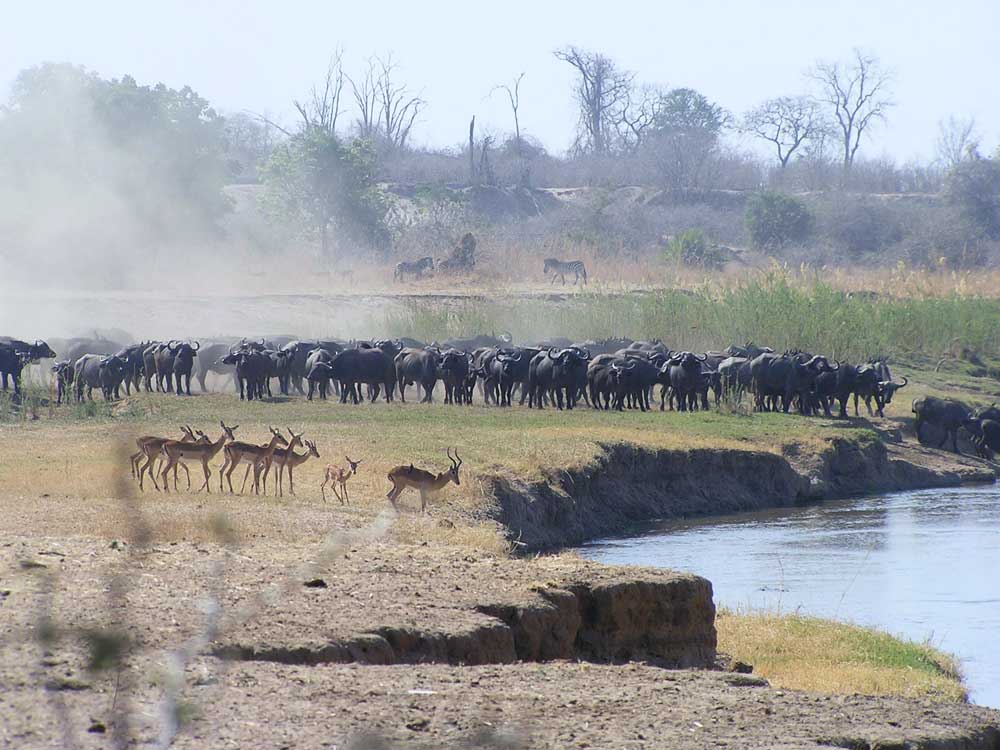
[277, 454]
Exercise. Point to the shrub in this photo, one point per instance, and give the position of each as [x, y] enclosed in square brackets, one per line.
[775, 219]
[973, 187]
[692, 248]
[862, 224]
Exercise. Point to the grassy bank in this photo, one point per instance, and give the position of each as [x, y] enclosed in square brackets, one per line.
[808, 653]
[775, 309]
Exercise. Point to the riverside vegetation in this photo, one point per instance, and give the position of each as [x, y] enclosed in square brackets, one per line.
[945, 344]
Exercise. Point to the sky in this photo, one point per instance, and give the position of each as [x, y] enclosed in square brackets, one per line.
[259, 55]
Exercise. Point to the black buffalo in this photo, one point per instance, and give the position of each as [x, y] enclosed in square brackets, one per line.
[417, 366]
[945, 414]
[97, 371]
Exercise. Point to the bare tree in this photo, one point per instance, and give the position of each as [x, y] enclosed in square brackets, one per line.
[514, 96]
[386, 108]
[957, 141]
[640, 113]
[858, 92]
[472, 151]
[602, 93]
[787, 121]
[323, 107]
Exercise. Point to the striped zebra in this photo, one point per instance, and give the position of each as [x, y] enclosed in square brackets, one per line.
[560, 268]
[414, 268]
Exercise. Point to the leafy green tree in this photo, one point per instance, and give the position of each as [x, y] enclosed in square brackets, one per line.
[317, 181]
[685, 131]
[147, 161]
[775, 219]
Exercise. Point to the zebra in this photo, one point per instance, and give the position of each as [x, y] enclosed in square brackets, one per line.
[415, 267]
[560, 268]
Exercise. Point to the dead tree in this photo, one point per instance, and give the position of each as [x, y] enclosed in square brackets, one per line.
[788, 122]
[386, 109]
[602, 93]
[323, 108]
[858, 92]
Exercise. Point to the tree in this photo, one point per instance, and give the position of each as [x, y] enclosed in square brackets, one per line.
[602, 93]
[788, 122]
[315, 180]
[250, 140]
[386, 108]
[123, 164]
[322, 110]
[514, 96]
[775, 219]
[858, 92]
[973, 187]
[957, 141]
[684, 133]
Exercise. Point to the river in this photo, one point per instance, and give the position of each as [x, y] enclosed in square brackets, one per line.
[924, 565]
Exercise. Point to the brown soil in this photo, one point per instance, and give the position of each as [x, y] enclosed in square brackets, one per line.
[445, 648]
[630, 485]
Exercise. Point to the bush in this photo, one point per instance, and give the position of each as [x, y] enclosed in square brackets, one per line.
[973, 187]
[775, 219]
[692, 248]
[862, 224]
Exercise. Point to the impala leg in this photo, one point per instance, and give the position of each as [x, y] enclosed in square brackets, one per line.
[165, 478]
[423, 501]
[225, 463]
[183, 466]
[291, 482]
[204, 466]
[347, 498]
[229, 478]
[247, 474]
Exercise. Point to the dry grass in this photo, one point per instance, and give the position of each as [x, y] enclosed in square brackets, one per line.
[808, 653]
[58, 469]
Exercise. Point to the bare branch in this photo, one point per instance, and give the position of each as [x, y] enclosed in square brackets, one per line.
[858, 93]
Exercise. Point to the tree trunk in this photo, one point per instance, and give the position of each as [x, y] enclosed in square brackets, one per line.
[324, 238]
[472, 151]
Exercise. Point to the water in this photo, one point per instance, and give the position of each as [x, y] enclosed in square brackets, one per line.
[924, 565]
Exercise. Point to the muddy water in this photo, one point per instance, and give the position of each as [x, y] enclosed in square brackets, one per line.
[925, 565]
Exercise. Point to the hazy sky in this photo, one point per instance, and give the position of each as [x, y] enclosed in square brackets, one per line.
[258, 55]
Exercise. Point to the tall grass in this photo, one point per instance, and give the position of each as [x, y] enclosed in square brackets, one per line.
[771, 310]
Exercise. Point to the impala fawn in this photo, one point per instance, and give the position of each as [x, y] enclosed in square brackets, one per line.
[338, 476]
[423, 481]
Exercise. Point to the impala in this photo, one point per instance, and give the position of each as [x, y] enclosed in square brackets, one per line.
[423, 481]
[287, 458]
[175, 451]
[149, 448]
[237, 452]
[338, 476]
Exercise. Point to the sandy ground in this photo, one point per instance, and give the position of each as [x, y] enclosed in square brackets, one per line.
[438, 607]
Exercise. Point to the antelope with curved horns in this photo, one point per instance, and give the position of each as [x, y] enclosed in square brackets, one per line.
[237, 452]
[288, 458]
[175, 451]
[149, 448]
[338, 476]
[422, 481]
[264, 465]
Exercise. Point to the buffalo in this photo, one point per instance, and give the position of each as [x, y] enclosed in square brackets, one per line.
[418, 366]
[96, 371]
[945, 414]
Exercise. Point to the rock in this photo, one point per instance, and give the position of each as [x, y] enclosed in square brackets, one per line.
[316, 583]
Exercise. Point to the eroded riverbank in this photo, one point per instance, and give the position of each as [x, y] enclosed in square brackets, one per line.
[628, 485]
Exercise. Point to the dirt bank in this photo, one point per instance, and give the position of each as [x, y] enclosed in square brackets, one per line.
[629, 484]
[446, 650]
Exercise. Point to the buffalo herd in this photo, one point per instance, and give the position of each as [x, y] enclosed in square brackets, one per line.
[607, 374]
